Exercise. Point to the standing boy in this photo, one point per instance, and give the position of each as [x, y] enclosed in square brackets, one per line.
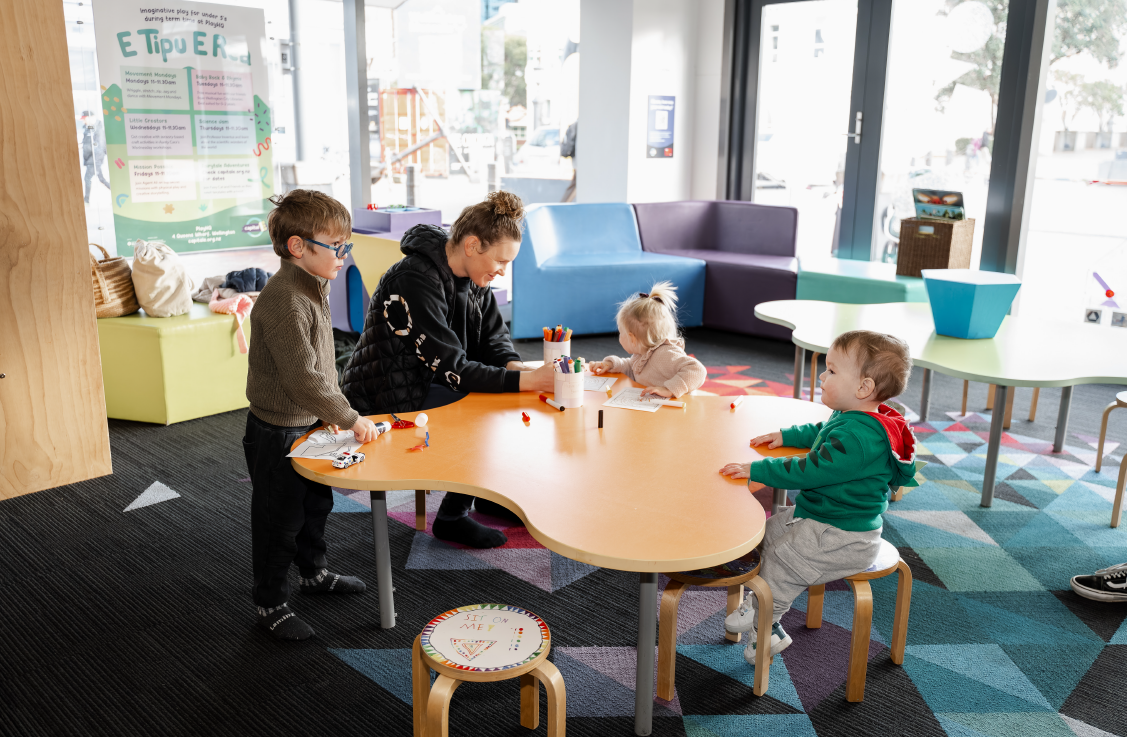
[292, 384]
[864, 450]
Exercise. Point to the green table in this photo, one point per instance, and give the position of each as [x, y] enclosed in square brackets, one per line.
[856, 282]
[1024, 353]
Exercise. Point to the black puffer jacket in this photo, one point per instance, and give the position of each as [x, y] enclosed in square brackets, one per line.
[424, 324]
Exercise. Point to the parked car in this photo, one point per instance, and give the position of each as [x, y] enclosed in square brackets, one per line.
[540, 151]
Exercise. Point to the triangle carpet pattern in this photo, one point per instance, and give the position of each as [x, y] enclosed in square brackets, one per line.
[998, 644]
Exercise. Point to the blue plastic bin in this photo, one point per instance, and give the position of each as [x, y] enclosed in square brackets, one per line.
[969, 304]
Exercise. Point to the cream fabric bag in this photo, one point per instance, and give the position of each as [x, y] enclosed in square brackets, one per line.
[163, 288]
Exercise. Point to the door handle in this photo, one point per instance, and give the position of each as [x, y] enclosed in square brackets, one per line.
[856, 134]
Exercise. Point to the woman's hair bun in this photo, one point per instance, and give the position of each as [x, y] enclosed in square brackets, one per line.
[507, 204]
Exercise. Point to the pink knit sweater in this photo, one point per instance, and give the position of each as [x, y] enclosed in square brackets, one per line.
[666, 364]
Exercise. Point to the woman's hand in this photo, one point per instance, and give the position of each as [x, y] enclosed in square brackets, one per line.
[518, 366]
[658, 391]
[538, 380]
[772, 439]
[597, 367]
[737, 470]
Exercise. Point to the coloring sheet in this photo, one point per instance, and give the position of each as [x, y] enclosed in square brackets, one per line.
[326, 445]
[592, 383]
[632, 399]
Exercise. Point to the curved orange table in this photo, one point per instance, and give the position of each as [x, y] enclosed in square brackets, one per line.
[642, 494]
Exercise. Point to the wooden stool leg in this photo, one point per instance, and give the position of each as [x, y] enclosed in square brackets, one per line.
[1117, 505]
[438, 706]
[765, 601]
[420, 688]
[897, 495]
[529, 701]
[735, 598]
[553, 682]
[814, 597]
[667, 639]
[421, 509]
[1033, 404]
[990, 397]
[813, 373]
[1103, 435]
[966, 388]
[1009, 408]
[859, 641]
[903, 604]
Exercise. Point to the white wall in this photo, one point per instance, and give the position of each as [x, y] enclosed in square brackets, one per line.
[604, 100]
[632, 49]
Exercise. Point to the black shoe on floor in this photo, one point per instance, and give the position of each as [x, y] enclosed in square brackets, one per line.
[467, 531]
[283, 624]
[332, 583]
[493, 509]
[1107, 584]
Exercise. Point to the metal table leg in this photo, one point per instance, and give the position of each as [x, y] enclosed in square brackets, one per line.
[778, 500]
[799, 370]
[647, 639]
[383, 559]
[997, 419]
[1062, 418]
[925, 397]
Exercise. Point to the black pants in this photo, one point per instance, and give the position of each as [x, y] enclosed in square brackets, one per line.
[454, 506]
[287, 512]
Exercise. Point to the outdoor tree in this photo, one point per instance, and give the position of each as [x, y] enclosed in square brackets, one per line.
[1068, 87]
[516, 58]
[1103, 98]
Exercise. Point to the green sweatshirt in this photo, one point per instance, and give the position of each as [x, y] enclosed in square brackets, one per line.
[845, 479]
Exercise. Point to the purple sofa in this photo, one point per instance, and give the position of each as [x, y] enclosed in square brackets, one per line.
[748, 250]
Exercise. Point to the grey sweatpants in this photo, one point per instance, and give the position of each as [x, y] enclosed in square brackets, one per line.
[798, 553]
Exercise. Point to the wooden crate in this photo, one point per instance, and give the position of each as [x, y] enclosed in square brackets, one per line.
[934, 244]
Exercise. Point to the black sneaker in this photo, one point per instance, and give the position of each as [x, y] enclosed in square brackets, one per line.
[283, 624]
[1107, 584]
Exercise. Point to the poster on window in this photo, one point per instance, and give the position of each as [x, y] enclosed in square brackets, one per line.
[659, 126]
[187, 117]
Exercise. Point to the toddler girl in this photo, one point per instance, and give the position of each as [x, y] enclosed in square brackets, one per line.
[647, 330]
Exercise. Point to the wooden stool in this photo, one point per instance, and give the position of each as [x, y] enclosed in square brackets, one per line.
[1009, 403]
[484, 642]
[1117, 506]
[732, 575]
[887, 562]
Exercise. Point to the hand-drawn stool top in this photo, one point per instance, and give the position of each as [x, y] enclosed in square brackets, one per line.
[485, 638]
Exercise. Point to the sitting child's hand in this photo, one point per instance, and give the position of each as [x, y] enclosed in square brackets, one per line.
[737, 470]
[364, 430]
[660, 391]
[597, 367]
[772, 439]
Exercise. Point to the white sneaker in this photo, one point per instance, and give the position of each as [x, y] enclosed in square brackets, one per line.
[780, 641]
[743, 619]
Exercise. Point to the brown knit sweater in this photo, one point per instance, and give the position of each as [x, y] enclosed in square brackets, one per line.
[666, 364]
[292, 380]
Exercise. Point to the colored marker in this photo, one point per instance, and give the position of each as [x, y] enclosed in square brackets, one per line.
[737, 400]
[524, 416]
[548, 334]
[578, 366]
[551, 403]
[609, 395]
[600, 419]
[559, 333]
[567, 334]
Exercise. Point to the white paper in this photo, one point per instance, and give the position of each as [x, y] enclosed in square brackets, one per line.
[632, 399]
[592, 383]
[326, 445]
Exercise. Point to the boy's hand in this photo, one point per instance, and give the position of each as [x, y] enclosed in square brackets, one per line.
[597, 367]
[772, 439]
[737, 470]
[659, 391]
[364, 430]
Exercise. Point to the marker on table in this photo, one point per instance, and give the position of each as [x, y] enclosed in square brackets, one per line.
[737, 400]
[600, 419]
[667, 402]
[551, 403]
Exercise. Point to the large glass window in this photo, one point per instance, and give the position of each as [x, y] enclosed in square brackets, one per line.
[941, 102]
[1074, 264]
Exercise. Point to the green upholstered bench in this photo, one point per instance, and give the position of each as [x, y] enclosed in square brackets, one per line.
[856, 282]
[171, 369]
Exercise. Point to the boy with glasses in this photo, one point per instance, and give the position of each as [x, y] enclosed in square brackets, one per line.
[292, 388]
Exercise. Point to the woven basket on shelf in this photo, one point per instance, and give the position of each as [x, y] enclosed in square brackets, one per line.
[934, 244]
[114, 295]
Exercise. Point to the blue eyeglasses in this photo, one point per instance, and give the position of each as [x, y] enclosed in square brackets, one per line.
[341, 251]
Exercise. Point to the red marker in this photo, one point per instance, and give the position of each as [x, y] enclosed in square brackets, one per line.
[524, 416]
[551, 403]
[737, 400]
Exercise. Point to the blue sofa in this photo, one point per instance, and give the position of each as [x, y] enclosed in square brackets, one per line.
[578, 261]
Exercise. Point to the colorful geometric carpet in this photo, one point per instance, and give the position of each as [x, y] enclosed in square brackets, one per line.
[997, 643]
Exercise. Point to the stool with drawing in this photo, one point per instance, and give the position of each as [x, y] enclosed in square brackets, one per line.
[484, 642]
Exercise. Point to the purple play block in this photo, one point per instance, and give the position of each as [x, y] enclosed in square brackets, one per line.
[397, 219]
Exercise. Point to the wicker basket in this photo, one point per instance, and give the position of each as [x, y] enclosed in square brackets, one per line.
[114, 295]
[934, 244]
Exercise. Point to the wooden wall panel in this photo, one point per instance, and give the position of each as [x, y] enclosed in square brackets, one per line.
[53, 428]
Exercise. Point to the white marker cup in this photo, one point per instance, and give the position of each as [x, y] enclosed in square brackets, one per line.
[569, 390]
[552, 351]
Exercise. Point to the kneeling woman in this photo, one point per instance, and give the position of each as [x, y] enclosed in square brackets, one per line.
[433, 333]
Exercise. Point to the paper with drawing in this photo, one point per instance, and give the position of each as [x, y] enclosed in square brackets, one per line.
[325, 444]
[632, 399]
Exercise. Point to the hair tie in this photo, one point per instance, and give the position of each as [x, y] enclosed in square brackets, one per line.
[655, 299]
